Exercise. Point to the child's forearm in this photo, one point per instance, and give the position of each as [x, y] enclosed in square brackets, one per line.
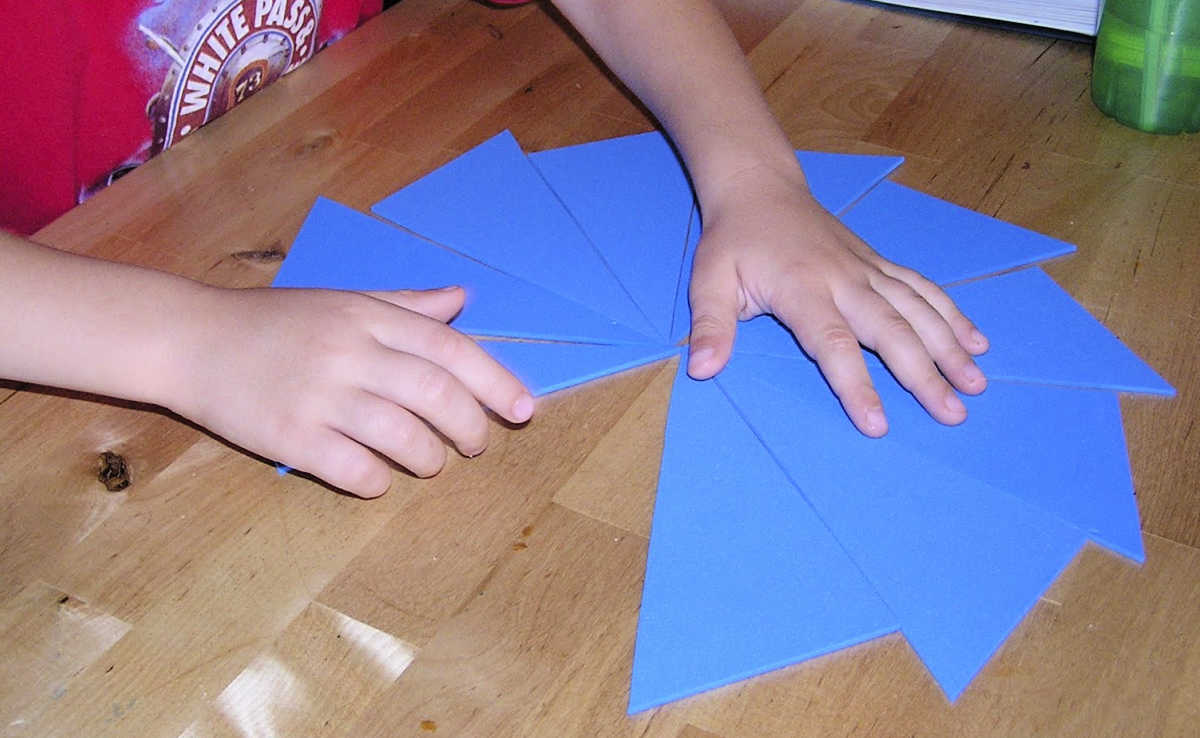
[96, 326]
[680, 58]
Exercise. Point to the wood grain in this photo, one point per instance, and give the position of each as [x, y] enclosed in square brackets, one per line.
[213, 597]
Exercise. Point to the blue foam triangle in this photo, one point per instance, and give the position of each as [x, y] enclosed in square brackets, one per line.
[1061, 450]
[838, 180]
[943, 241]
[630, 195]
[549, 367]
[741, 575]
[957, 561]
[339, 248]
[1039, 333]
[492, 205]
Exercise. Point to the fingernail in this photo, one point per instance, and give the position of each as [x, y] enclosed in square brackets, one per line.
[954, 404]
[700, 355]
[450, 288]
[522, 409]
[876, 421]
[697, 360]
[977, 338]
[974, 375]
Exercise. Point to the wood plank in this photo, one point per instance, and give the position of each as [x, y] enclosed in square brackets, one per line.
[545, 642]
[52, 444]
[836, 84]
[49, 637]
[964, 92]
[318, 676]
[246, 582]
[615, 484]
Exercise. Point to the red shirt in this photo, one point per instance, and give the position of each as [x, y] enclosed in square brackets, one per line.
[92, 88]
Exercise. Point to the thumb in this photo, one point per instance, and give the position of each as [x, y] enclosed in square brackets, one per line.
[714, 301]
[440, 304]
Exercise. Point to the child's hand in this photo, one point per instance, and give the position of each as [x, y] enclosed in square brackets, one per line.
[768, 247]
[328, 382]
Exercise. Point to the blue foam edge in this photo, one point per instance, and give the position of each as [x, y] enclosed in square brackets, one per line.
[632, 198]
[492, 204]
[548, 367]
[943, 241]
[1039, 333]
[742, 577]
[340, 248]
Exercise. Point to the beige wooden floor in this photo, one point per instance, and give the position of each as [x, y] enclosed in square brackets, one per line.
[214, 598]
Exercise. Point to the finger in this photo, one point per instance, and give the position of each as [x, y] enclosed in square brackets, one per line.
[826, 336]
[441, 304]
[966, 333]
[483, 376]
[970, 337]
[882, 328]
[344, 464]
[935, 333]
[713, 295]
[392, 431]
[430, 392]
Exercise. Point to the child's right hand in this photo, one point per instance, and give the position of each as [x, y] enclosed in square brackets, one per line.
[327, 382]
[769, 247]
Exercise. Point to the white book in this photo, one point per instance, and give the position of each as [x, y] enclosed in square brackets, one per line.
[1079, 16]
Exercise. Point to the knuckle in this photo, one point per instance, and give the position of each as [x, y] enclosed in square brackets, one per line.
[436, 386]
[347, 308]
[428, 461]
[952, 356]
[896, 326]
[839, 338]
[447, 344]
[959, 322]
[903, 290]
[355, 470]
[403, 434]
[475, 437]
[860, 393]
[930, 380]
[706, 324]
[908, 276]
[409, 443]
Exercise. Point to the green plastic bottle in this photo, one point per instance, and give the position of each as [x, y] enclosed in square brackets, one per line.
[1146, 71]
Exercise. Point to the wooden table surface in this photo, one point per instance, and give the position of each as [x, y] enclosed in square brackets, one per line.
[213, 597]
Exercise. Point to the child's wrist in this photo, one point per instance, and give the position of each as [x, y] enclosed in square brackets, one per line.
[755, 186]
[182, 345]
